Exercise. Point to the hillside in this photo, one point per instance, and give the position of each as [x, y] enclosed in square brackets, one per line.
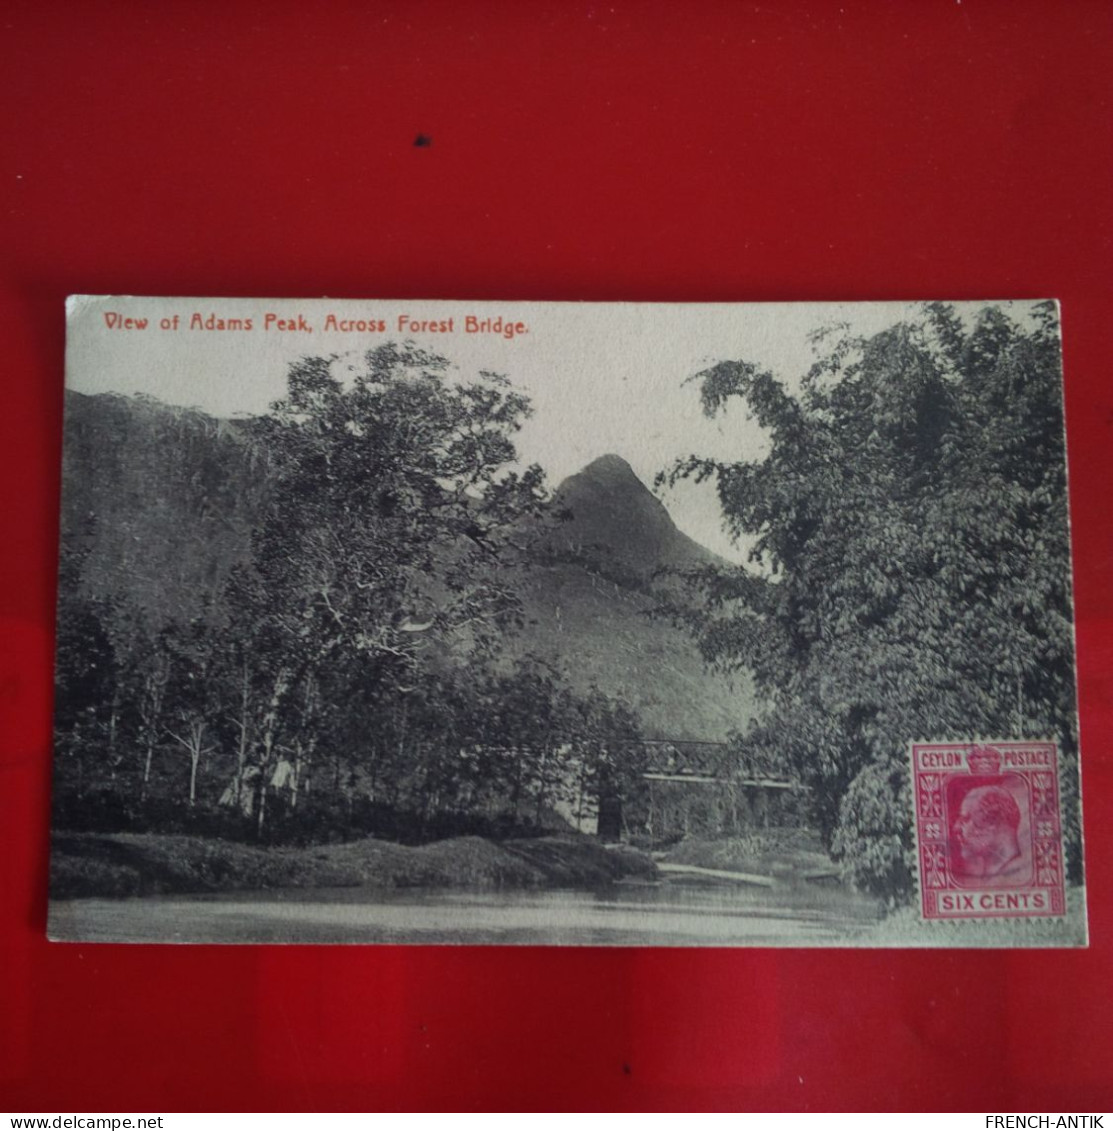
[159, 504]
[588, 603]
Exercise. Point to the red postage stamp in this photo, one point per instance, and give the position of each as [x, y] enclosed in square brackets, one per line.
[988, 833]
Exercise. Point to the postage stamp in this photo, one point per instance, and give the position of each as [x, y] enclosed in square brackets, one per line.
[988, 829]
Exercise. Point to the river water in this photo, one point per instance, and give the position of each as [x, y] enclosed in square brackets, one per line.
[672, 913]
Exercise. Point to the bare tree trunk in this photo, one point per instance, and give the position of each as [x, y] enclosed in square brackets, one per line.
[114, 715]
[269, 736]
[195, 745]
[306, 744]
[154, 690]
[580, 797]
[194, 759]
[302, 754]
[243, 726]
[516, 789]
[541, 784]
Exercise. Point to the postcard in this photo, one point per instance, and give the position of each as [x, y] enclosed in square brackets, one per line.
[445, 622]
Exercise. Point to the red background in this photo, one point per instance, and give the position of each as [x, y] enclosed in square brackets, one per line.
[659, 151]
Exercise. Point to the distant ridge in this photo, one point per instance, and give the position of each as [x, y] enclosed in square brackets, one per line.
[159, 503]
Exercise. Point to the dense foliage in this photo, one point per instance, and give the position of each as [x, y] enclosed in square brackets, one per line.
[343, 673]
[909, 577]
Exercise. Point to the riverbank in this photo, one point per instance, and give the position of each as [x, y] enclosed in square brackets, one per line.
[139, 864]
[784, 855]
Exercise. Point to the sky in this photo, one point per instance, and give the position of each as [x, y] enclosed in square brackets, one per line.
[602, 377]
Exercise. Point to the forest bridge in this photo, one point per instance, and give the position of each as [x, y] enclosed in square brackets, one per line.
[676, 800]
[679, 760]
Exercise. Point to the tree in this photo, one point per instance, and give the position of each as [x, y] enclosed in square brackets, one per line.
[387, 545]
[538, 743]
[147, 675]
[523, 725]
[86, 687]
[191, 693]
[606, 748]
[910, 573]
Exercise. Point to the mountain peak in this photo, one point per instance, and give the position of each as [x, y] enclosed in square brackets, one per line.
[611, 510]
[610, 465]
[609, 481]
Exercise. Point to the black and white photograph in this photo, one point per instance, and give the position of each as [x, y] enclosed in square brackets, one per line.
[599, 624]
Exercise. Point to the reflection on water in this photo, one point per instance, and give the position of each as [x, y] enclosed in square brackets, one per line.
[673, 913]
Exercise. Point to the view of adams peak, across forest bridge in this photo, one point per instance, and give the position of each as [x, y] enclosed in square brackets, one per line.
[349, 641]
[595, 656]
